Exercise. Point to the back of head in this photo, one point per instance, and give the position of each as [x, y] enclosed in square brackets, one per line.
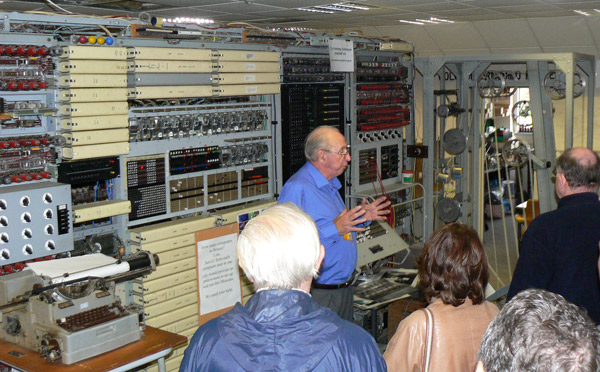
[540, 331]
[317, 140]
[581, 168]
[453, 265]
[279, 248]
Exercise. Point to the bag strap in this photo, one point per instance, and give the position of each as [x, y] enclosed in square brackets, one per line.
[429, 340]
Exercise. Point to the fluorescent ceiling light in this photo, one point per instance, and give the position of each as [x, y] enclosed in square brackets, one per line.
[432, 20]
[196, 21]
[427, 21]
[441, 20]
[581, 12]
[335, 8]
[316, 10]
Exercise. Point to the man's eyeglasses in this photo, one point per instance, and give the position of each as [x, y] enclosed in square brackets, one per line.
[344, 152]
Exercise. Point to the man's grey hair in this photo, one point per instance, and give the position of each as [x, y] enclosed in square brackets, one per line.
[279, 248]
[540, 331]
[317, 140]
[579, 173]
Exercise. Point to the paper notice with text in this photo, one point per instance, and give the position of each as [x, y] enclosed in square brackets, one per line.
[218, 275]
[341, 55]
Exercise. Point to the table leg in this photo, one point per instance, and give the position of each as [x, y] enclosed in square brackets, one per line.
[161, 365]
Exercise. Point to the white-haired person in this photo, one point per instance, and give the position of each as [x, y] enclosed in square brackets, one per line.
[540, 331]
[281, 328]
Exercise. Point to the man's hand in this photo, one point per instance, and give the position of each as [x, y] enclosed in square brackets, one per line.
[347, 220]
[377, 210]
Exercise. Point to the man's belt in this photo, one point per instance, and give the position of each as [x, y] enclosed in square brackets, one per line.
[331, 286]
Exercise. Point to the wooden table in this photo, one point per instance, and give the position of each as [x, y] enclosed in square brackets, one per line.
[154, 345]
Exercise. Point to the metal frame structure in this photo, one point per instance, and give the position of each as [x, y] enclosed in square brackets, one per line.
[467, 69]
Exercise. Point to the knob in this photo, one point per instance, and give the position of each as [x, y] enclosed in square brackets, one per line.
[25, 201]
[4, 238]
[4, 221]
[48, 198]
[48, 213]
[3, 204]
[49, 229]
[27, 234]
[27, 249]
[26, 217]
[50, 245]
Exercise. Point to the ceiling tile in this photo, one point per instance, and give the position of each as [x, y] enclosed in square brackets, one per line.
[429, 8]
[292, 4]
[402, 3]
[525, 8]
[186, 3]
[507, 33]
[497, 3]
[562, 31]
[581, 6]
[457, 35]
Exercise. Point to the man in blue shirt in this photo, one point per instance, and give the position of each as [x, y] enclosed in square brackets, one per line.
[281, 328]
[315, 189]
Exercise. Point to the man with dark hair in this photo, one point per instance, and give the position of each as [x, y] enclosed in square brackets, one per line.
[540, 331]
[560, 248]
[315, 189]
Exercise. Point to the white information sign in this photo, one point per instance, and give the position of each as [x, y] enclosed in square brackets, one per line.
[341, 55]
[219, 279]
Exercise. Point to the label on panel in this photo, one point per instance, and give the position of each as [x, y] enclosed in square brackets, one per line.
[93, 52]
[170, 66]
[95, 151]
[93, 94]
[246, 78]
[92, 81]
[247, 67]
[175, 54]
[95, 122]
[248, 55]
[94, 109]
[173, 91]
[93, 67]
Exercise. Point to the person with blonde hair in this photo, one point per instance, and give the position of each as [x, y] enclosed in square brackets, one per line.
[281, 328]
[445, 336]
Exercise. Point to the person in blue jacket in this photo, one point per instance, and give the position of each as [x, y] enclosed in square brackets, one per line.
[315, 189]
[560, 248]
[281, 328]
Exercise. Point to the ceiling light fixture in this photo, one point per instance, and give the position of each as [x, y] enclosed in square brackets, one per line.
[316, 10]
[597, 10]
[187, 20]
[427, 21]
[411, 22]
[581, 12]
[333, 8]
[441, 20]
[343, 7]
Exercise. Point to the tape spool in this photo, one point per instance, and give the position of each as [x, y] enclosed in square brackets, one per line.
[448, 210]
[455, 142]
[515, 152]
